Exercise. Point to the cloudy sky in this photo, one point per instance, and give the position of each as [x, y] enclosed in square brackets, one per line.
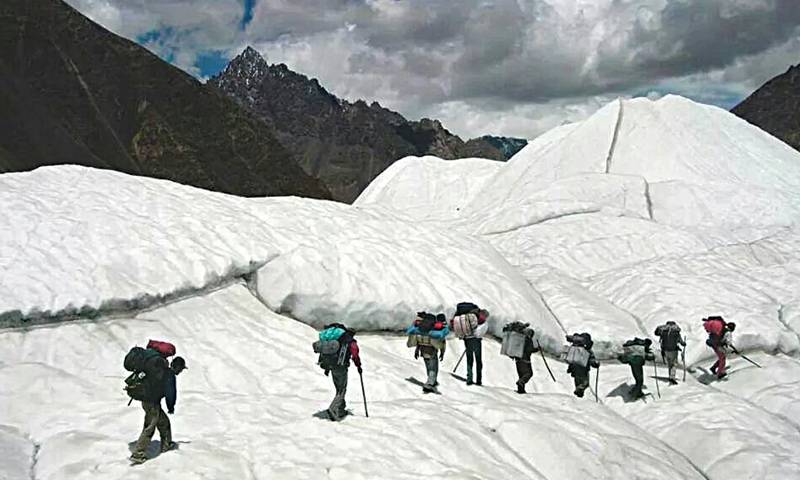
[507, 67]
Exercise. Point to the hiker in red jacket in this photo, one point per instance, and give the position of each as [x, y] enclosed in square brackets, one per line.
[719, 339]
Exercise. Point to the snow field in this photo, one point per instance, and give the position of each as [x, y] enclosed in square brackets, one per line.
[246, 404]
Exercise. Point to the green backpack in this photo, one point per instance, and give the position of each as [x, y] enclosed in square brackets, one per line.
[137, 361]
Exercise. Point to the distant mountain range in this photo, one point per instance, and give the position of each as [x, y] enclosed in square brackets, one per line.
[344, 144]
[72, 92]
[775, 107]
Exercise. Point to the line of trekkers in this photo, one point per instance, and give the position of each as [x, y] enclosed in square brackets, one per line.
[153, 378]
[428, 333]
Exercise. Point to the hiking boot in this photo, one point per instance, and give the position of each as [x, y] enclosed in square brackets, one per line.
[478, 383]
[469, 382]
[722, 375]
[714, 368]
[520, 388]
[579, 393]
[672, 381]
[166, 447]
[138, 459]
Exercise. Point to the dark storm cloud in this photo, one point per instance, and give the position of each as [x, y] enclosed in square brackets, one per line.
[420, 55]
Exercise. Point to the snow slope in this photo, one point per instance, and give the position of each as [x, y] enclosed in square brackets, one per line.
[247, 402]
[81, 240]
[429, 187]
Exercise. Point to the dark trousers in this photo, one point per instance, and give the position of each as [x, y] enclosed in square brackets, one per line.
[474, 356]
[337, 409]
[154, 419]
[638, 375]
[524, 371]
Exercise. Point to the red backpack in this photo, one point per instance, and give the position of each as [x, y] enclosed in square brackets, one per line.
[166, 349]
[715, 326]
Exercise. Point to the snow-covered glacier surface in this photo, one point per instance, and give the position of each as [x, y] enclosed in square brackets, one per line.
[645, 212]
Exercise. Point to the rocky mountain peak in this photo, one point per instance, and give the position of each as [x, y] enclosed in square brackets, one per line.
[249, 67]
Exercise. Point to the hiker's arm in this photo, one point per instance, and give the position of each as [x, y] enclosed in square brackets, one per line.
[171, 393]
[354, 354]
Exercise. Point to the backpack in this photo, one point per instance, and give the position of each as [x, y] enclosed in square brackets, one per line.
[333, 352]
[576, 355]
[670, 336]
[425, 322]
[635, 350]
[464, 325]
[140, 361]
[166, 349]
[716, 328]
[466, 307]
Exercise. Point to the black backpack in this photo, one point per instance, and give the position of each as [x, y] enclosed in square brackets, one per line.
[670, 336]
[516, 327]
[427, 321]
[144, 363]
[466, 307]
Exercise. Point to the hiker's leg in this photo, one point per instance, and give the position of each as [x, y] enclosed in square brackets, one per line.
[672, 363]
[581, 382]
[432, 365]
[638, 376]
[720, 361]
[150, 424]
[468, 347]
[164, 428]
[524, 371]
[478, 360]
[338, 405]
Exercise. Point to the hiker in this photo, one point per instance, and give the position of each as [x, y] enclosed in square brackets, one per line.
[580, 357]
[152, 380]
[336, 347]
[720, 339]
[469, 324]
[636, 353]
[518, 344]
[427, 336]
[671, 342]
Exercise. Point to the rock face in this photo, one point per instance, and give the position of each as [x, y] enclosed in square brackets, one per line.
[72, 92]
[775, 107]
[344, 144]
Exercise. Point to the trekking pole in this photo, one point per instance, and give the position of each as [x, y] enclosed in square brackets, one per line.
[596, 384]
[545, 361]
[363, 394]
[655, 369]
[459, 361]
[683, 359]
[745, 357]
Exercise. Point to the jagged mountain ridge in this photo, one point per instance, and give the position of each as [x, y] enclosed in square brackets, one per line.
[775, 107]
[72, 92]
[344, 144]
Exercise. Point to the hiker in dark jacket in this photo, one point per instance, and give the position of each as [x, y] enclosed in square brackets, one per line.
[580, 373]
[671, 342]
[161, 384]
[524, 366]
[636, 354]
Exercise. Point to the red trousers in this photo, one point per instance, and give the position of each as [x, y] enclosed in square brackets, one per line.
[720, 360]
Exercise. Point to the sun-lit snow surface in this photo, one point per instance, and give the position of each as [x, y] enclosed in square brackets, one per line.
[429, 186]
[246, 406]
[78, 238]
[645, 212]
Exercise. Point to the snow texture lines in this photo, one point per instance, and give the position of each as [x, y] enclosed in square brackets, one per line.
[615, 137]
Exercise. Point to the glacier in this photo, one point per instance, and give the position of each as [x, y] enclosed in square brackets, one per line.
[645, 212]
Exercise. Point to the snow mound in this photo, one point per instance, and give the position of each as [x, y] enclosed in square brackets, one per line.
[81, 240]
[428, 187]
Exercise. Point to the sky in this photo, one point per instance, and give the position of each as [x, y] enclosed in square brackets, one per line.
[501, 67]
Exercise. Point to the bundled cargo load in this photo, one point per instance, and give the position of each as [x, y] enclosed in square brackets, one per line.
[514, 336]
